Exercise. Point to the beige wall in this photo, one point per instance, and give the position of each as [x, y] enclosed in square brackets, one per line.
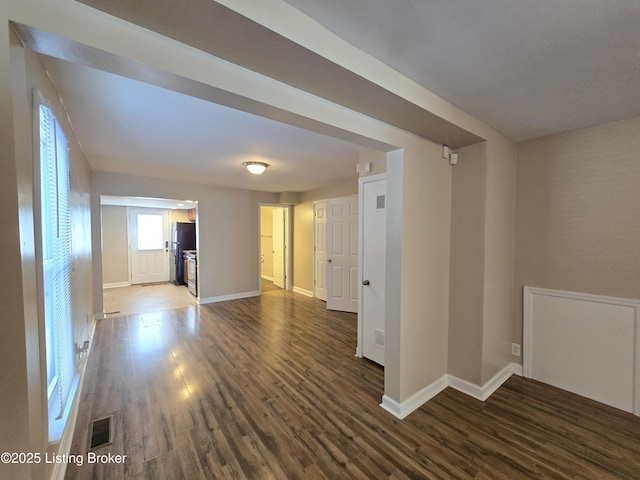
[22, 412]
[578, 227]
[499, 250]
[376, 159]
[425, 248]
[466, 296]
[482, 261]
[115, 250]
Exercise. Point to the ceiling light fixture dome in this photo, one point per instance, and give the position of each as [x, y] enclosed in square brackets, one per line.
[255, 167]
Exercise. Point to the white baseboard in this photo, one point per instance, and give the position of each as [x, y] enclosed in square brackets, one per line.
[231, 296]
[265, 277]
[116, 285]
[484, 392]
[517, 369]
[302, 291]
[403, 409]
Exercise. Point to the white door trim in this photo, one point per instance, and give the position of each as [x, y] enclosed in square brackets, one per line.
[361, 182]
[321, 296]
[288, 233]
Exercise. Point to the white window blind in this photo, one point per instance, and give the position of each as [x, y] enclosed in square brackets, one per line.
[56, 264]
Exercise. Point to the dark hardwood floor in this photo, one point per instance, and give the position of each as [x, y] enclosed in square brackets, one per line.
[268, 387]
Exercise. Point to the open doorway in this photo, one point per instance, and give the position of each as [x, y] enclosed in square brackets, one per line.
[275, 271]
[138, 258]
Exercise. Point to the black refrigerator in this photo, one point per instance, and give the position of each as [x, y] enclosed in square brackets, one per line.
[183, 237]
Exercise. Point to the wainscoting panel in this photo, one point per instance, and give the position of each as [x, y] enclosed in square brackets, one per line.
[585, 344]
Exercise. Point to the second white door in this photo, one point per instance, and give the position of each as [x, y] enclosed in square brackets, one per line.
[342, 254]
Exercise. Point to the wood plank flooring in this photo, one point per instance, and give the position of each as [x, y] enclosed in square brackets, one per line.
[268, 387]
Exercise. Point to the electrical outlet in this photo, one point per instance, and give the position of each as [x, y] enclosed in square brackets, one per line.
[515, 349]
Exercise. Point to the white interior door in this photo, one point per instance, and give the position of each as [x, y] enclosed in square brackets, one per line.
[148, 245]
[342, 254]
[374, 231]
[278, 233]
[320, 250]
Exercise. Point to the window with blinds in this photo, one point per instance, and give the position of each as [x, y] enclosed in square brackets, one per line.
[55, 236]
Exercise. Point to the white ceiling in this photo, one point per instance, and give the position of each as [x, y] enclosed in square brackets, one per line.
[126, 126]
[527, 68]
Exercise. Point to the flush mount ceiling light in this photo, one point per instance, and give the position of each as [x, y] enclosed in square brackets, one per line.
[256, 167]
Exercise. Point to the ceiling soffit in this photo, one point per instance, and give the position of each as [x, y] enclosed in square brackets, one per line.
[224, 33]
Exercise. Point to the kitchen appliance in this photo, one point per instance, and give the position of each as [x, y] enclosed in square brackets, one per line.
[183, 237]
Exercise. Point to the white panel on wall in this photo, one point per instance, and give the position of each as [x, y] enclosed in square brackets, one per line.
[586, 344]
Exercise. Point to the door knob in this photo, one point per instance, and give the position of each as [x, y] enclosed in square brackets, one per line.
[365, 282]
[329, 260]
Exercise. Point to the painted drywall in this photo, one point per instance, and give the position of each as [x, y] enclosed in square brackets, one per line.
[482, 261]
[578, 227]
[266, 241]
[426, 233]
[115, 250]
[227, 229]
[499, 256]
[23, 417]
[303, 241]
[466, 296]
[375, 159]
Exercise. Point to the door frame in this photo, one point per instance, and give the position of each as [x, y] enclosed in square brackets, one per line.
[361, 182]
[288, 285]
[353, 306]
[315, 250]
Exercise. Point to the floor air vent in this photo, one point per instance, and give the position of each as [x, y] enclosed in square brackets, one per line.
[100, 433]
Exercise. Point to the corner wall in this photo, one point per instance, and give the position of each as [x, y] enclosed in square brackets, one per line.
[466, 297]
[482, 261]
[578, 227]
